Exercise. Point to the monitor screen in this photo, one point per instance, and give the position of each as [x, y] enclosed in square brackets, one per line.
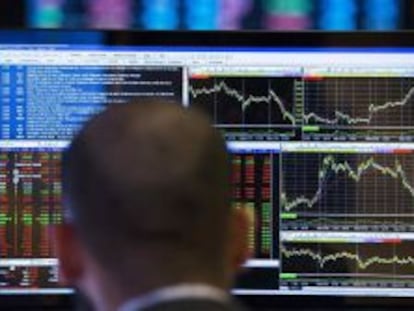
[320, 128]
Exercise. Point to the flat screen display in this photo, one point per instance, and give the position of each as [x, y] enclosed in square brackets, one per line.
[320, 128]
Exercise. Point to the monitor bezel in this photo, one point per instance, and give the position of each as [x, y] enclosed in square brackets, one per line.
[254, 39]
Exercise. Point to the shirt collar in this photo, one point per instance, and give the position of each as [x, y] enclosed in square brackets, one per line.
[176, 292]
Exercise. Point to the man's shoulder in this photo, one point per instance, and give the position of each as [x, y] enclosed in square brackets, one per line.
[195, 305]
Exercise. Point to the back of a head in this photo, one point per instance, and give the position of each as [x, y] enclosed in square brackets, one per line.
[149, 175]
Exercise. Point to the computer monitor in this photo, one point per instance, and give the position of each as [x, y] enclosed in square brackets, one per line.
[320, 127]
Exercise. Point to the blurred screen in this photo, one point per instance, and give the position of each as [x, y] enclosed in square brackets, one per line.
[221, 14]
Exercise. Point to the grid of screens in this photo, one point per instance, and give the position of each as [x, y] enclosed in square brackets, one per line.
[321, 142]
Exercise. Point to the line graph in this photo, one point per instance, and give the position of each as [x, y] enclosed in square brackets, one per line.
[348, 258]
[347, 191]
[256, 103]
[330, 165]
[324, 260]
[246, 101]
[380, 106]
[372, 111]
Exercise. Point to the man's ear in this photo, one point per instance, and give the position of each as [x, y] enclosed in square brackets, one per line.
[69, 254]
[239, 238]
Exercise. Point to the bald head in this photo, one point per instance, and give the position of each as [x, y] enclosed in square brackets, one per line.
[148, 176]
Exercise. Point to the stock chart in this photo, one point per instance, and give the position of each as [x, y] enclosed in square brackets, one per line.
[361, 107]
[248, 105]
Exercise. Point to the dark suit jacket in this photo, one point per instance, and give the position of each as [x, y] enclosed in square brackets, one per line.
[194, 305]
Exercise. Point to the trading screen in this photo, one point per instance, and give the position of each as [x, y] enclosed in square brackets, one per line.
[321, 143]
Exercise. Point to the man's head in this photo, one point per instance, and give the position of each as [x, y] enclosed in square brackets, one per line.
[146, 195]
